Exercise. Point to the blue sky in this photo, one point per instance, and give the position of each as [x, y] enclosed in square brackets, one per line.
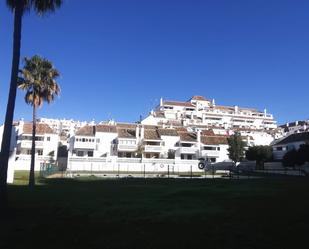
[117, 58]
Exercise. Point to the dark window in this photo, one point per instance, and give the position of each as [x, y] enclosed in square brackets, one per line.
[182, 156]
[48, 138]
[80, 153]
[189, 157]
[90, 153]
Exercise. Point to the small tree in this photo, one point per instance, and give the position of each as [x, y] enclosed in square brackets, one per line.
[139, 151]
[236, 147]
[290, 159]
[260, 154]
[171, 154]
[303, 154]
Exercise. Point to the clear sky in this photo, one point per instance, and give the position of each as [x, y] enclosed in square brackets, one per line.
[118, 57]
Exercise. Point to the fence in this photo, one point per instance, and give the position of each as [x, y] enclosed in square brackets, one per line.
[137, 166]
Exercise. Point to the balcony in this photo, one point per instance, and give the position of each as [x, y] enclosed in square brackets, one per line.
[210, 153]
[84, 145]
[127, 147]
[27, 144]
[187, 150]
[152, 148]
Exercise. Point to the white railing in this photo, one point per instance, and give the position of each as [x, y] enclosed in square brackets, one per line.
[210, 153]
[127, 147]
[153, 148]
[28, 144]
[84, 145]
[188, 150]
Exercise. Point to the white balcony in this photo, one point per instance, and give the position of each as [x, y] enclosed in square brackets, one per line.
[153, 148]
[127, 147]
[187, 150]
[210, 153]
[27, 144]
[84, 145]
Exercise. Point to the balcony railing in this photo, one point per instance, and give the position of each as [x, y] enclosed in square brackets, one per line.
[210, 153]
[84, 145]
[28, 144]
[153, 148]
[127, 147]
[188, 150]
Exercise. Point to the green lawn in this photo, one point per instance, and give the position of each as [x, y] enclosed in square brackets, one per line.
[158, 213]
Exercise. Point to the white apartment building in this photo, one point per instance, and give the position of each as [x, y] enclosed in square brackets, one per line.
[150, 142]
[46, 143]
[201, 113]
[289, 142]
[295, 127]
[66, 127]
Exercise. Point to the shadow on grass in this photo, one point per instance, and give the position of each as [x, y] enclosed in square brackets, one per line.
[159, 213]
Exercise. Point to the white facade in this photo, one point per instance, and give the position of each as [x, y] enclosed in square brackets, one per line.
[288, 143]
[201, 113]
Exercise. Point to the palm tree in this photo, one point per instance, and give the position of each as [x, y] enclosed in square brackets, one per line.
[18, 7]
[38, 79]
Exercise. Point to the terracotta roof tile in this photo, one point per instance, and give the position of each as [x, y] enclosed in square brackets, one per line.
[178, 103]
[201, 98]
[187, 136]
[106, 128]
[167, 132]
[151, 134]
[126, 133]
[40, 129]
[87, 130]
[214, 140]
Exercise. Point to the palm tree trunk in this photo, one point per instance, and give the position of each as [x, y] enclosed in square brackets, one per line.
[8, 123]
[31, 176]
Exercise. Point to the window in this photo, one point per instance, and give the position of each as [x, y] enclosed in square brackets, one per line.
[48, 138]
[189, 157]
[40, 152]
[213, 160]
[98, 140]
[90, 153]
[218, 148]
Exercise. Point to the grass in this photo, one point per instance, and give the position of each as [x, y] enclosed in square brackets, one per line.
[158, 213]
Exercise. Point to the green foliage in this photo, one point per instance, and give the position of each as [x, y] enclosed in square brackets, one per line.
[38, 79]
[303, 154]
[236, 147]
[139, 151]
[39, 6]
[290, 158]
[296, 157]
[260, 154]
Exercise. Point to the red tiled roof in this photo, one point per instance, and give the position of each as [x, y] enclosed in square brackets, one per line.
[126, 133]
[151, 134]
[106, 128]
[187, 136]
[87, 130]
[40, 129]
[214, 140]
[201, 98]
[167, 132]
[178, 103]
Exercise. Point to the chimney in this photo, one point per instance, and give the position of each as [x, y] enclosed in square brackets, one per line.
[213, 103]
[137, 132]
[142, 132]
[198, 136]
[236, 109]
